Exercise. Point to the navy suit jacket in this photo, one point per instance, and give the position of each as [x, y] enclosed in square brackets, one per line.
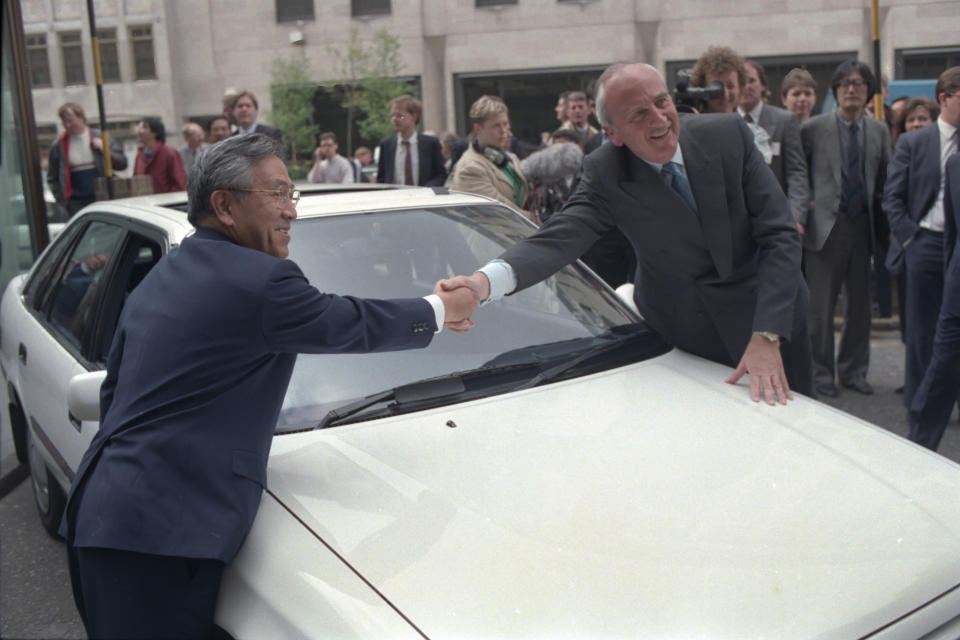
[196, 377]
[913, 182]
[949, 328]
[432, 173]
[728, 270]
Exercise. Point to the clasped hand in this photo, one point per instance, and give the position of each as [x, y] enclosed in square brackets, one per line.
[461, 295]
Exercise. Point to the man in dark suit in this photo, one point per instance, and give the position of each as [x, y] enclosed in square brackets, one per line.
[196, 377]
[410, 157]
[914, 203]
[847, 154]
[782, 149]
[937, 392]
[718, 251]
[246, 109]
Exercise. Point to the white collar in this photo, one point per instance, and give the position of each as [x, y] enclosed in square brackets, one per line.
[754, 113]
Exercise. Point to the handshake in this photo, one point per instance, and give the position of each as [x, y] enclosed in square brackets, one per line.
[460, 296]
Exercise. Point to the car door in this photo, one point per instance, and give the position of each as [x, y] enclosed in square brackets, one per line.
[76, 315]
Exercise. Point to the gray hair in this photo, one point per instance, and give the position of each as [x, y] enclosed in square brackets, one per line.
[601, 101]
[226, 165]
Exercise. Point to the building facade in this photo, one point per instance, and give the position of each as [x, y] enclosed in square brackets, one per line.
[174, 59]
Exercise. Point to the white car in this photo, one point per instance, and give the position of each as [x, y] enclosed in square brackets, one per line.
[557, 472]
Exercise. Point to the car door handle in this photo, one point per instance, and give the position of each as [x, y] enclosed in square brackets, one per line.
[22, 351]
[74, 420]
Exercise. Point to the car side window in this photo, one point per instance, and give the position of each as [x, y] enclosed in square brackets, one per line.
[73, 307]
[138, 256]
[45, 275]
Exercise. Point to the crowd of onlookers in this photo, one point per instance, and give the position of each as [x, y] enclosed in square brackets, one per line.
[867, 193]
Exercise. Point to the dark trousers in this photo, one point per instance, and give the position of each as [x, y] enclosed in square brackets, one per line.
[938, 390]
[844, 261]
[124, 594]
[924, 275]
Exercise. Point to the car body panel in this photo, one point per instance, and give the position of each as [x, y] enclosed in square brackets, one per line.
[647, 500]
[632, 502]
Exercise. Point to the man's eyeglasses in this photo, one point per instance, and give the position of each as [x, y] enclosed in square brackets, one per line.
[398, 115]
[853, 82]
[283, 196]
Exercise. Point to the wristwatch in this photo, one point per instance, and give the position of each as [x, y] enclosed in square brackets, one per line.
[769, 335]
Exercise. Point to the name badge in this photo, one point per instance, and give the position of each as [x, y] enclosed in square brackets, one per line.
[775, 148]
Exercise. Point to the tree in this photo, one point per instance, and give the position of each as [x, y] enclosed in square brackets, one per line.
[292, 92]
[369, 80]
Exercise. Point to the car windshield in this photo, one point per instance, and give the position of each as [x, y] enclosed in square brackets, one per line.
[403, 253]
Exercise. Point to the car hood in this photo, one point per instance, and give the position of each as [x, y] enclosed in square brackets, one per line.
[652, 500]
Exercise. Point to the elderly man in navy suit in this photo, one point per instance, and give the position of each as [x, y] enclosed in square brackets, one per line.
[196, 375]
[718, 250]
[937, 392]
[914, 203]
[410, 157]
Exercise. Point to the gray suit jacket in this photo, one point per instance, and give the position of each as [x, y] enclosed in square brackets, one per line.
[824, 154]
[714, 276]
[788, 163]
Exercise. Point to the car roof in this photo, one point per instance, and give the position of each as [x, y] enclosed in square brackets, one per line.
[316, 200]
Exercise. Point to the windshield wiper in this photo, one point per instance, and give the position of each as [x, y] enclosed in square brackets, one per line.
[610, 342]
[408, 393]
[432, 391]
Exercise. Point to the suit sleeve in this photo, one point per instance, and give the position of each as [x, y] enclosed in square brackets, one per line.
[439, 174]
[895, 192]
[382, 176]
[774, 231]
[54, 161]
[178, 180]
[298, 318]
[951, 208]
[798, 182]
[567, 235]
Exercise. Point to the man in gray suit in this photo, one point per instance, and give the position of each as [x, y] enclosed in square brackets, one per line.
[847, 156]
[718, 251]
[782, 148]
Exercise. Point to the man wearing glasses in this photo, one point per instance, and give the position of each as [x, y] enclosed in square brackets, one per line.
[410, 157]
[847, 154]
[196, 377]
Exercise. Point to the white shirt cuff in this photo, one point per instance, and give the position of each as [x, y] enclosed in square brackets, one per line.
[502, 279]
[438, 311]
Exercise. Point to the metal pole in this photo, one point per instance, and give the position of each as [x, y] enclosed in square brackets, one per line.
[104, 136]
[878, 96]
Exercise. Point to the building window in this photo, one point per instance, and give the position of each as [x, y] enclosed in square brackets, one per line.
[38, 60]
[71, 51]
[360, 8]
[480, 4]
[141, 41]
[293, 10]
[924, 64]
[109, 61]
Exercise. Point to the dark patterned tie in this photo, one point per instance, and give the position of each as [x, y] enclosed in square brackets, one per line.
[748, 118]
[674, 176]
[407, 164]
[852, 177]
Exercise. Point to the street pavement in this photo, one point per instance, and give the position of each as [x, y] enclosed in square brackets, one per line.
[35, 597]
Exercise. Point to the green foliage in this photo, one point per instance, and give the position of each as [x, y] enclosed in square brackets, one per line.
[292, 92]
[368, 81]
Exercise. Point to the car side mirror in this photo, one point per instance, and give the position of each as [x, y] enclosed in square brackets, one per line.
[625, 293]
[83, 395]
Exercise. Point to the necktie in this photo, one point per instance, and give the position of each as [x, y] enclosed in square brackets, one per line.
[853, 180]
[672, 174]
[748, 118]
[407, 164]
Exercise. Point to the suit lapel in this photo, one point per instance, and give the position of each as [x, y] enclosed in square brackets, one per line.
[929, 153]
[705, 173]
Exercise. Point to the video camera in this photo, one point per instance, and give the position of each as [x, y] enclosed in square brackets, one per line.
[694, 99]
